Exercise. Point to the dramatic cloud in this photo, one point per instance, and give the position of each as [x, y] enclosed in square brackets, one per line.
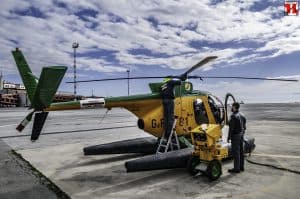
[115, 35]
[159, 32]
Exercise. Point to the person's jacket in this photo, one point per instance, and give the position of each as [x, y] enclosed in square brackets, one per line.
[167, 89]
[237, 124]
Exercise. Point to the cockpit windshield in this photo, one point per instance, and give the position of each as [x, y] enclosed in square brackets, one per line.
[200, 112]
[216, 108]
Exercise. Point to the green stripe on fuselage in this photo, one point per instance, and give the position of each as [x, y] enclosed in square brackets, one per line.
[186, 89]
[148, 96]
[133, 97]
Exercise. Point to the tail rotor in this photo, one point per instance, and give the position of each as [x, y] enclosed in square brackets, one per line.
[40, 91]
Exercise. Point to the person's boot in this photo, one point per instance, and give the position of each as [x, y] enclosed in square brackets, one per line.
[233, 171]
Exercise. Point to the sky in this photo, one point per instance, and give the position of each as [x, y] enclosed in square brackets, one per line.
[157, 37]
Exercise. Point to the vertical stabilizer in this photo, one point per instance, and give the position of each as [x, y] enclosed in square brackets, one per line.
[29, 80]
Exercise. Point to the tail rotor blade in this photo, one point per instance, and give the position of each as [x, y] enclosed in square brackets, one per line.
[24, 122]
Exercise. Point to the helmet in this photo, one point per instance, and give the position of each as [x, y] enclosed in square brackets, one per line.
[167, 79]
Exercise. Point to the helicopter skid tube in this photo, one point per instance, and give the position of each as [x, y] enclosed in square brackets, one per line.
[145, 145]
[173, 159]
[168, 160]
[248, 144]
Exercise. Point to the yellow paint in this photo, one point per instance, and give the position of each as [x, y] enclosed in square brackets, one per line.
[151, 111]
[63, 106]
[208, 149]
[187, 87]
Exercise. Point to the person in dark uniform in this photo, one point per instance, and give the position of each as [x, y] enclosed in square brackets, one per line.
[168, 96]
[237, 127]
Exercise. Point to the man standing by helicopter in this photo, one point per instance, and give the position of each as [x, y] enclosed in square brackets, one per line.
[168, 96]
[237, 127]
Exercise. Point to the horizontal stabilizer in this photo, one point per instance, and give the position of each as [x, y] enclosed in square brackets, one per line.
[47, 86]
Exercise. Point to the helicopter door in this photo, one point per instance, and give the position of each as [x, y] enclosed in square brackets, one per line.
[200, 112]
[216, 108]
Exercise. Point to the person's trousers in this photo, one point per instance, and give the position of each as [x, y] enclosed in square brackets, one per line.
[168, 116]
[238, 151]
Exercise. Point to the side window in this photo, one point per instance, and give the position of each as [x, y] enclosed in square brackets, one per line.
[200, 112]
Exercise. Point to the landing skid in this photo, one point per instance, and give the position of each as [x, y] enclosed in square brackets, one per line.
[152, 161]
[146, 145]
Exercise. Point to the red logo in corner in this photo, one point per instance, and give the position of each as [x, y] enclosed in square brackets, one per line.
[291, 8]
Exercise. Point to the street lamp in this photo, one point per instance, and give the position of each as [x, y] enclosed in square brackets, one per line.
[128, 72]
[74, 46]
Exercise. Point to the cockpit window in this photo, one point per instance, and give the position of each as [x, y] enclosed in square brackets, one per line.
[200, 112]
[215, 107]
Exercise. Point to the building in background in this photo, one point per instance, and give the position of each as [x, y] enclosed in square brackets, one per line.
[15, 95]
[9, 100]
[12, 95]
[1, 82]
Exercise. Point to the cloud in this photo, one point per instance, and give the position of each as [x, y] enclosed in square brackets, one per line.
[109, 32]
[125, 25]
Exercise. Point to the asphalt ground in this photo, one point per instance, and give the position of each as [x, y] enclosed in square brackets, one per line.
[58, 155]
[18, 180]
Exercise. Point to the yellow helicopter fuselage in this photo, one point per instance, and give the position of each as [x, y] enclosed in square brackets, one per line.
[151, 117]
[149, 108]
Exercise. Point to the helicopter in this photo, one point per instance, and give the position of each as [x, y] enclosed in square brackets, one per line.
[200, 118]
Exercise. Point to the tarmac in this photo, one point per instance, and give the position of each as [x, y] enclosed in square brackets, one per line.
[58, 156]
[17, 179]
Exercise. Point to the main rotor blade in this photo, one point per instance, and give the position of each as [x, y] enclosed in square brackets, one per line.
[199, 64]
[123, 78]
[183, 77]
[237, 77]
[189, 77]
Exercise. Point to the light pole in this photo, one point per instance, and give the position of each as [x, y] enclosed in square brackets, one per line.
[74, 46]
[128, 72]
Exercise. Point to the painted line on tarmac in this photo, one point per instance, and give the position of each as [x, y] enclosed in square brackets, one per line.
[276, 156]
[65, 132]
[7, 125]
